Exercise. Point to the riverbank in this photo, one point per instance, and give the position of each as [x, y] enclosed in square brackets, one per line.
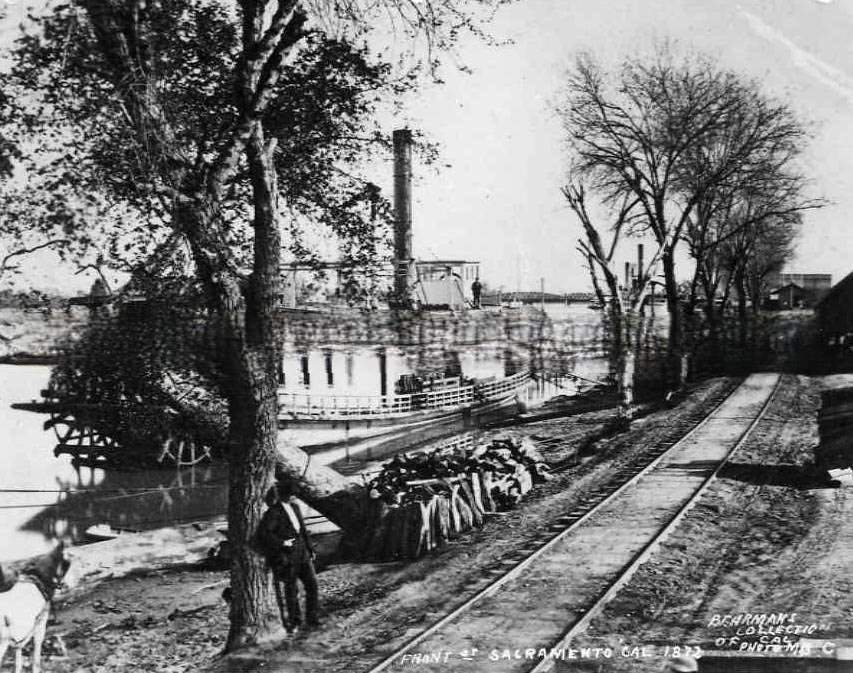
[30, 336]
[169, 615]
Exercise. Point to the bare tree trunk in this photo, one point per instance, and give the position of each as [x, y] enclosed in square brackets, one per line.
[625, 372]
[755, 315]
[621, 353]
[742, 315]
[617, 345]
[714, 334]
[712, 315]
[677, 365]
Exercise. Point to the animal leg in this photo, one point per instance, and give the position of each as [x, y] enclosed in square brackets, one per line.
[38, 641]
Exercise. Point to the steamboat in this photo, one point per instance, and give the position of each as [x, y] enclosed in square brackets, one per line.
[438, 360]
[469, 362]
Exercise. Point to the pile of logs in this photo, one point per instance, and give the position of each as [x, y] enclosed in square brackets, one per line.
[835, 423]
[420, 501]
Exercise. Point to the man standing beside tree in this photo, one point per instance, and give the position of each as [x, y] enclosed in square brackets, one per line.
[286, 543]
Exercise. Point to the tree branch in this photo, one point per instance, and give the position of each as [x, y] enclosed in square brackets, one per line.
[5, 266]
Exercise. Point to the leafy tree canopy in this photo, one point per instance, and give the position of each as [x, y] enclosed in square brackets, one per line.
[107, 182]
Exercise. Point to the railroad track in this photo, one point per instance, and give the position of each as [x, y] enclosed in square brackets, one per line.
[532, 600]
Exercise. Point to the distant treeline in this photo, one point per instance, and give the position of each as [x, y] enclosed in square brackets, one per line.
[30, 299]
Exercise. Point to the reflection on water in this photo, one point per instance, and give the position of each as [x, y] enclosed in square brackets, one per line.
[43, 497]
[138, 500]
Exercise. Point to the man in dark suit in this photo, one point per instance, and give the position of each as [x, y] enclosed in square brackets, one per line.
[286, 543]
[476, 289]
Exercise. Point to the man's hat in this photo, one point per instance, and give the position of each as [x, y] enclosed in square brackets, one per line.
[272, 497]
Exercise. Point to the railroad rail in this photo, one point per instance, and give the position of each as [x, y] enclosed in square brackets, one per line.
[531, 600]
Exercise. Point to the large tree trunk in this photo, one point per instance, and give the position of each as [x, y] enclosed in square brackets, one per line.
[252, 354]
[251, 463]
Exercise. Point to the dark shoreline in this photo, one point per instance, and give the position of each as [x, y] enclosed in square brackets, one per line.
[29, 359]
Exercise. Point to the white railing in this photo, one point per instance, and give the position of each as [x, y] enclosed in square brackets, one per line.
[342, 405]
[445, 398]
[347, 406]
[501, 387]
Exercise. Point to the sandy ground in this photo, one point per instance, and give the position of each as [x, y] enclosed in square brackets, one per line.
[767, 537]
[173, 618]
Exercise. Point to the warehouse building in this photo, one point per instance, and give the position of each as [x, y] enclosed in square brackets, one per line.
[796, 290]
[835, 314]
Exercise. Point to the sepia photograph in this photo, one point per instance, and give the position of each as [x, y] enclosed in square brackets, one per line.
[363, 336]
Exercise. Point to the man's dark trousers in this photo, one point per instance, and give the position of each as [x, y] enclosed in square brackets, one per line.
[290, 556]
[299, 566]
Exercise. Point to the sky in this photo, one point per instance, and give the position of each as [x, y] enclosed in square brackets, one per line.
[499, 201]
[494, 195]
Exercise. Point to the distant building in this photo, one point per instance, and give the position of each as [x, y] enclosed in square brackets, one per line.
[806, 289]
[835, 313]
[815, 284]
[790, 296]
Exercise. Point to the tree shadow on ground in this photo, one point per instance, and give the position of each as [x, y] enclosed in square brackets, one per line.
[801, 477]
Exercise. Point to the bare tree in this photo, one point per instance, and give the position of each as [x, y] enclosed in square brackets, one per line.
[622, 304]
[762, 184]
[667, 131]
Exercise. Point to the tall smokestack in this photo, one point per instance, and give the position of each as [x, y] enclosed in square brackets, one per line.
[402, 211]
[639, 264]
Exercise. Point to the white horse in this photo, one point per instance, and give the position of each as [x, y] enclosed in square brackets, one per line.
[25, 607]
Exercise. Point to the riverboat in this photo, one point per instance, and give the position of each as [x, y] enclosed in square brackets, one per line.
[430, 357]
[347, 389]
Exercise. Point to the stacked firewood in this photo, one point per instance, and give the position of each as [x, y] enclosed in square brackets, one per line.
[422, 500]
[835, 423]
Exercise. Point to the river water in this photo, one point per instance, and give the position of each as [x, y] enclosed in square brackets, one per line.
[43, 497]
